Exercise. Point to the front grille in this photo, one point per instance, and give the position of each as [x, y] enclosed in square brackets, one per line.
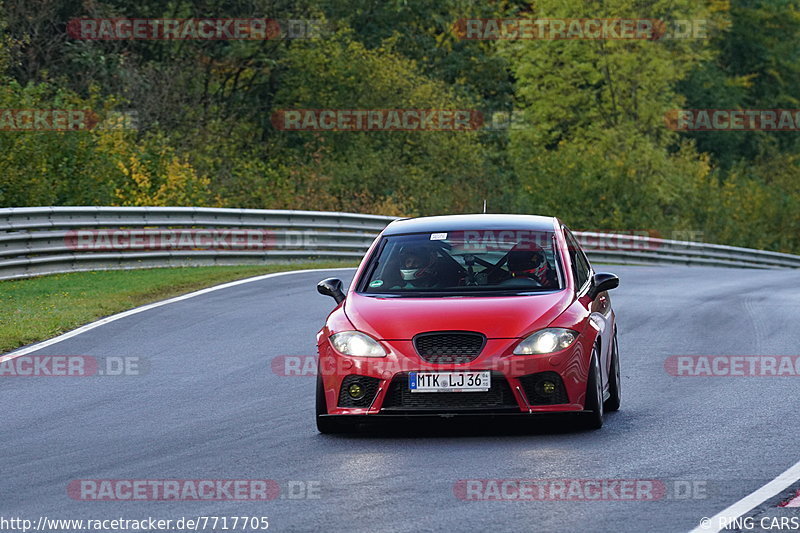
[533, 385]
[368, 384]
[400, 398]
[449, 347]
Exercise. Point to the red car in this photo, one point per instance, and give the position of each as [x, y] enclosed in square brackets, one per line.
[498, 315]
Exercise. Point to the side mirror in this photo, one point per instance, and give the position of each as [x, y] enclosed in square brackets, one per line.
[601, 282]
[331, 287]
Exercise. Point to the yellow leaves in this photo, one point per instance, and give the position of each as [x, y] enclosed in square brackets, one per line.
[136, 188]
[180, 184]
[394, 206]
[719, 6]
[165, 180]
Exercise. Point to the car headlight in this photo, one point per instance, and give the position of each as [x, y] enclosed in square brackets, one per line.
[357, 344]
[546, 341]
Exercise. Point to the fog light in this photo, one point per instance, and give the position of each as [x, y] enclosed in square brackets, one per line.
[356, 391]
[546, 387]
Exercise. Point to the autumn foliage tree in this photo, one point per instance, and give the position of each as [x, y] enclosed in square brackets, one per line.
[585, 137]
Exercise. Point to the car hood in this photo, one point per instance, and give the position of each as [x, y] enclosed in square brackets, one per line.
[494, 316]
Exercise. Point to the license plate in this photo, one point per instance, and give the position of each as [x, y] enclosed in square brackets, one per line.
[450, 381]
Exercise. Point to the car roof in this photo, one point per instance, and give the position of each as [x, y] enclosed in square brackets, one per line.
[471, 222]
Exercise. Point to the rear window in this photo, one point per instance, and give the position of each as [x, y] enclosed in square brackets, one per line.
[464, 263]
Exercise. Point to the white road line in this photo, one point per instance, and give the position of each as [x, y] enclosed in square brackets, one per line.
[136, 310]
[749, 502]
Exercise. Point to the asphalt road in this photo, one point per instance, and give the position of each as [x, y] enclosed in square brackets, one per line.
[211, 407]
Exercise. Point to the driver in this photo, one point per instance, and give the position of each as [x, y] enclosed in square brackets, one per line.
[418, 268]
[531, 264]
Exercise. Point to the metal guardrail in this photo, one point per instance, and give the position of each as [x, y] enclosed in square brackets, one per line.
[47, 240]
[639, 250]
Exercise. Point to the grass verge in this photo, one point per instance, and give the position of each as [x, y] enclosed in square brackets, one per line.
[39, 308]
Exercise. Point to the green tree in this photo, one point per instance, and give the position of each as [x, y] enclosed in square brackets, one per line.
[417, 172]
[592, 146]
[756, 65]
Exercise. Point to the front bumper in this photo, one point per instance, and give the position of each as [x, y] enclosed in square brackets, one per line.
[513, 392]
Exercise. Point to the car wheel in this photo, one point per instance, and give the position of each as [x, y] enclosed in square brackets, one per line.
[614, 379]
[324, 425]
[594, 395]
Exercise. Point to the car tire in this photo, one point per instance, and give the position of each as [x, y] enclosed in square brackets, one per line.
[614, 379]
[593, 417]
[324, 425]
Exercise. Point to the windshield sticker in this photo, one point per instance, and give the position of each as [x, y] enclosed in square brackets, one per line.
[376, 283]
[438, 236]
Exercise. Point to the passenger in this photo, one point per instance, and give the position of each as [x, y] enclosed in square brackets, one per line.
[418, 269]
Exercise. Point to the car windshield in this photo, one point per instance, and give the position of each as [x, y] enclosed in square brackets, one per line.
[464, 263]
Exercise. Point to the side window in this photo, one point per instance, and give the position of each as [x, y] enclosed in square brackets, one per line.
[580, 265]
